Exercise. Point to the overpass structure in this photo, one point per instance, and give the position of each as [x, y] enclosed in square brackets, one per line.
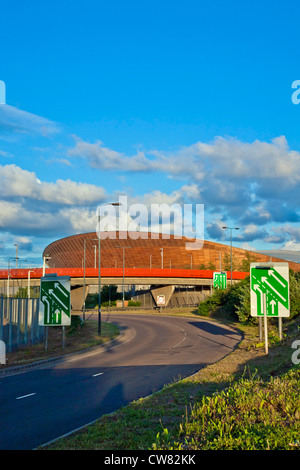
[161, 262]
[161, 281]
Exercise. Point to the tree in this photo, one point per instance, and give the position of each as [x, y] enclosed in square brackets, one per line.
[245, 264]
[226, 262]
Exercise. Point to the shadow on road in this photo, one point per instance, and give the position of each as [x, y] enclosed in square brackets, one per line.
[214, 329]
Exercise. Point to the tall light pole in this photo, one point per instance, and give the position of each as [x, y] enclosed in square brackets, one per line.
[99, 265]
[220, 259]
[231, 228]
[44, 263]
[8, 273]
[123, 248]
[28, 285]
[95, 248]
[16, 245]
[84, 250]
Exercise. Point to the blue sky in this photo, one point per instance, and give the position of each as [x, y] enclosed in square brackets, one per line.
[165, 101]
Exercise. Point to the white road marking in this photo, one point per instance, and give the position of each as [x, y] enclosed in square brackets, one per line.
[96, 375]
[25, 396]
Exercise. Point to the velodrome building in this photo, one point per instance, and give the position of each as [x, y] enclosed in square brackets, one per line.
[148, 250]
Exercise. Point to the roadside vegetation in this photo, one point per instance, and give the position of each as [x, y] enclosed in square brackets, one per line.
[246, 401]
[78, 336]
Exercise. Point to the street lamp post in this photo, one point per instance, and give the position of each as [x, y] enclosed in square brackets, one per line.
[16, 245]
[123, 283]
[95, 248]
[162, 257]
[28, 285]
[220, 259]
[99, 265]
[8, 273]
[231, 228]
[46, 257]
[84, 250]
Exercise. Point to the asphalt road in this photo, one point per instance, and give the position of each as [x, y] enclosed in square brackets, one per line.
[40, 404]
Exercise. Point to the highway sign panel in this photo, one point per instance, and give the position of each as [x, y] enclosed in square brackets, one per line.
[220, 280]
[269, 284]
[55, 301]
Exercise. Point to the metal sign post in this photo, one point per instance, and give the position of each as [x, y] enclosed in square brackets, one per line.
[160, 301]
[269, 293]
[265, 324]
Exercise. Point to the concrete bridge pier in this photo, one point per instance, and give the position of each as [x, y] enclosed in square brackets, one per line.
[167, 291]
[77, 296]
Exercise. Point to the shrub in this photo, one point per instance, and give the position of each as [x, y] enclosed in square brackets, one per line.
[133, 303]
[76, 323]
[235, 300]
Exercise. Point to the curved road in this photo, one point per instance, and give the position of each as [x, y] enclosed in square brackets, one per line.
[42, 403]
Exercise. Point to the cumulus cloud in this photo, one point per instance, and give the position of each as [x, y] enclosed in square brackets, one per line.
[256, 185]
[31, 207]
[17, 121]
[256, 182]
[16, 182]
[104, 158]
[222, 158]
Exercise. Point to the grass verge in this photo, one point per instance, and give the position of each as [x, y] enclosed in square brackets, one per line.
[245, 401]
[77, 338]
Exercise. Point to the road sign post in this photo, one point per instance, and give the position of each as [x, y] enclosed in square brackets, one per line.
[269, 293]
[160, 301]
[55, 300]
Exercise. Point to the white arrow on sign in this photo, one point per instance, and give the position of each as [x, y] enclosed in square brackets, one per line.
[272, 273]
[256, 287]
[264, 280]
[44, 299]
[58, 286]
[273, 303]
[57, 298]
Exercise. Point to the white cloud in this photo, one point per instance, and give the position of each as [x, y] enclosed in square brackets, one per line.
[21, 122]
[104, 158]
[256, 182]
[223, 160]
[291, 245]
[16, 182]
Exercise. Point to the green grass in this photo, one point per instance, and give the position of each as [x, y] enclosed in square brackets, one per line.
[252, 414]
[247, 400]
[77, 338]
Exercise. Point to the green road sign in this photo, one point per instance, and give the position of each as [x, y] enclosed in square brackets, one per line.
[220, 280]
[55, 301]
[269, 289]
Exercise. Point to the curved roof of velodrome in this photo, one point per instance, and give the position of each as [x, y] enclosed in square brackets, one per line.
[143, 251]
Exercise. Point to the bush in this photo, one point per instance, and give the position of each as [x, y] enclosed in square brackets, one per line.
[133, 303]
[235, 300]
[108, 303]
[76, 323]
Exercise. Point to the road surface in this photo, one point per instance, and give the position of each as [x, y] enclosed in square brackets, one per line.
[40, 404]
